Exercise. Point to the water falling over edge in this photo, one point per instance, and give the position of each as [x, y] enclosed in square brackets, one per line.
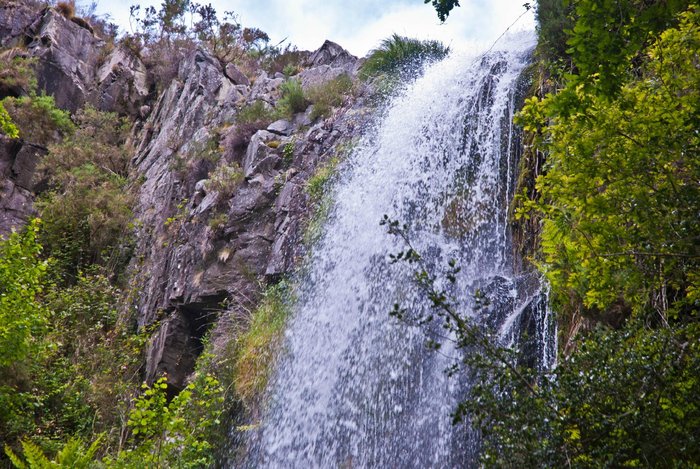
[354, 387]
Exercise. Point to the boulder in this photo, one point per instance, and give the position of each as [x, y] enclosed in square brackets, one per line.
[67, 58]
[281, 127]
[236, 76]
[333, 55]
[18, 161]
[122, 84]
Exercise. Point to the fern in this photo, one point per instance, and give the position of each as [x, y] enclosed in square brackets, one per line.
[73, 455]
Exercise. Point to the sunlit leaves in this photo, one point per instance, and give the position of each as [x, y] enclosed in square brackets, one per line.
[21, 314]
[621, 193]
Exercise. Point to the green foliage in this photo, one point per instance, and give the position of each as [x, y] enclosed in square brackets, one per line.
[218, 221]
[17, 75]
[292, 98]
[258, 112]
[290, 70]
[87, 211]
[86, 221]
[6, 125]
[288, 153]
[443, 7]
[398, 56]
[175, 433]
[318, 182]
[330, 95]
[100, 138]
[225, 179]
[625, 397]
[619, 198]
[22, 316]
[38, 119]
[257, 348]
[73, 455]
[553, 20]
[617, 31]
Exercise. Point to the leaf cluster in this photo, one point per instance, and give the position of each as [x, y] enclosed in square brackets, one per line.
[399, 56]
[619, 198]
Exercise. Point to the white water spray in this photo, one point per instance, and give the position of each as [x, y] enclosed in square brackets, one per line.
[355, 387]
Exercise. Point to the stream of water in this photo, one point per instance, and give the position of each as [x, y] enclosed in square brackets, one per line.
[354, 386]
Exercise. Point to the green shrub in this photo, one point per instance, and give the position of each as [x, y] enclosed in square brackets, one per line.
[17, 75]
[6, 125]
[288, 154]
[290, 70]
[100, 138]
[225, 179]
[74, 455]
[292, 99]
[87, 210]
[258, 112]
[86, 221]
[218, 221]
[329, 95]
[316, 185]
[178, 433]
[399, 55]
[22, 317]
[38, 119]
[619, 195]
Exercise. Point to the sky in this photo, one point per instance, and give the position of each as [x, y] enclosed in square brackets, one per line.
[358, 25]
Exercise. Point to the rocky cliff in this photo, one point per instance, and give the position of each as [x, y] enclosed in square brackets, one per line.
[220, 212]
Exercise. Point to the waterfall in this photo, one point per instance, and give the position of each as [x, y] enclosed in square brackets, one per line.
[355, 387]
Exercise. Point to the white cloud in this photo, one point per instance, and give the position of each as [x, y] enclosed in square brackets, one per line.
[361, 24]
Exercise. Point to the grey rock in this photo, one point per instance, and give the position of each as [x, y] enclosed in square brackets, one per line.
[317, 76]
[304, 119]
[122, 84]
[68, 55]
[281, 127]
[15, 19]
[201, 186]
[257, 152]
[236, 76]
[265, 89]
[172, 350]
[18, 161]
[331, 54]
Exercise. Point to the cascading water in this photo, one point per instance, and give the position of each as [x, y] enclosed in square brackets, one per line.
[355, 387]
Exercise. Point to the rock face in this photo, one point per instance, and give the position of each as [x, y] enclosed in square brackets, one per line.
[15, 19]
[218, 215]
[74, 66]
[327, 63]
[18, 161]
[204, 252]
[122, 83]
[68, 68]
[68, 58]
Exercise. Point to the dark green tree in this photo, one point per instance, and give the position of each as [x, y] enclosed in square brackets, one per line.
[443, 7]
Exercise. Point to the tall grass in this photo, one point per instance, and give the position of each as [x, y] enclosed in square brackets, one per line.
[398, 55]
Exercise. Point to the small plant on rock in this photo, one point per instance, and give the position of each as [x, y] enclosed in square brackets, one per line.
[293, 99]
[225, 179]
[330, 95]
